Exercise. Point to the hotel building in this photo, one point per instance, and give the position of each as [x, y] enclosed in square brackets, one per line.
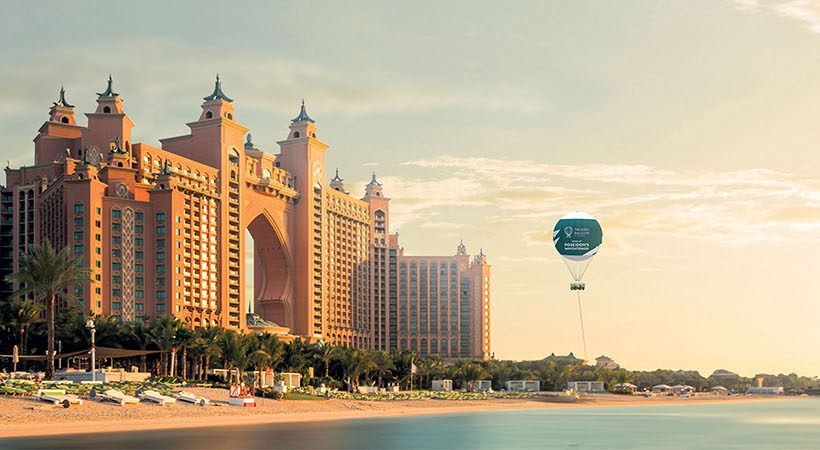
[163, 230]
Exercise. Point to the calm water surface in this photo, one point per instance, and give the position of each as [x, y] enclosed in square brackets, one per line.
[788, 424]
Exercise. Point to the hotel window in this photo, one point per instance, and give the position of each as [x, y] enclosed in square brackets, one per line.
[115, 253]
[116, 292]
[138, 255]
[160, 217]
[78, 249]
[139, 294]
[160, 307]
[161, 294]
[160, 230]
[115, 213]
[78, 235]
[98, 210]
[115, 239]
[161, 269]
[139, 281]
[115, 226]
[138, 242]
[79, 207]
[78, 222]
[137, 228]
[115, 305]
[98, 237]
[139, 306]
[139, 216]
[116, 279]
[138, 268]
[160, 243]
[97, 223]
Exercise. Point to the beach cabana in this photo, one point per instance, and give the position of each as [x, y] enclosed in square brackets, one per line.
[720, 390]
[661, 388]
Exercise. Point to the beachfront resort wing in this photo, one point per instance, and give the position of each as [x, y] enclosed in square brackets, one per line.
[163, 230]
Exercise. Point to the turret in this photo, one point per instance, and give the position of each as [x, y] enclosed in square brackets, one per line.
[338, 183]
[217, 104]
[461, 250]
[374, 188]
[108, 124]
[62, 111]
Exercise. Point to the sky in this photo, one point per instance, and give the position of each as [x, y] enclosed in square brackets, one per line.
[687, 128]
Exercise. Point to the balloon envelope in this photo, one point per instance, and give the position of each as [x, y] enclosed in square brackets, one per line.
[577, 236]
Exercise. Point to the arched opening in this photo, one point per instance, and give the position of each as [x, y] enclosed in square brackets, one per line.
[64, 119]
[230, 116]
[295, 134]
[107, 109]
[266, 272]
[209, 115]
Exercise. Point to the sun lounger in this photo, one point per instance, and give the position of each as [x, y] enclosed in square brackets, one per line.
[191, 398]
[58, 397]
[113, 395]
[156, 397]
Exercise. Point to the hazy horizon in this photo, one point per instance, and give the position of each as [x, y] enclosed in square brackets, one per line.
[686, 128]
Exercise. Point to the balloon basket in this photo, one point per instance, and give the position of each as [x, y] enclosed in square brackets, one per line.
[577, 286]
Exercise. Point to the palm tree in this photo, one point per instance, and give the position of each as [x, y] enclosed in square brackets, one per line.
[470, 373]
[382, 365]
[139, 335]
[295, 355]
[49, 274]
[232, 352]
[355, 363]
[211, 349]
[163, 334]
[323, 352]
[23, 314]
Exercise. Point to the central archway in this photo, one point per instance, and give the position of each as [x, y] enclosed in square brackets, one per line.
[271, 273]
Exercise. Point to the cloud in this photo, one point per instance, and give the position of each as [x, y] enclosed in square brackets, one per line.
[806, 11]
[632, 202]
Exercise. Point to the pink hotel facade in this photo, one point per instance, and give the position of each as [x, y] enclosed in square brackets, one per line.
[163, 230]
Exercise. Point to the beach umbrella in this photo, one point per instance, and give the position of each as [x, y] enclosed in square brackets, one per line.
[577, 238]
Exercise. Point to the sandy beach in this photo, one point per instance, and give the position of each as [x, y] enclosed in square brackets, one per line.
[28, 417]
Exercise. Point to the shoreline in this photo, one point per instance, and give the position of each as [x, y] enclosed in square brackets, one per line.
[353, 410]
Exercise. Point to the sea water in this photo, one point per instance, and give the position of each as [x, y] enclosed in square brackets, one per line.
[777, 424]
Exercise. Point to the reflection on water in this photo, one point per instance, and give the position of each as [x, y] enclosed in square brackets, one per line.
[768, 424]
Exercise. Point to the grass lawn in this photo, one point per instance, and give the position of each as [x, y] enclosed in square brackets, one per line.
[300, 396]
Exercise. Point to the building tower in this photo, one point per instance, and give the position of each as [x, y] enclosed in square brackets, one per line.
[379, 280]
[303, 155]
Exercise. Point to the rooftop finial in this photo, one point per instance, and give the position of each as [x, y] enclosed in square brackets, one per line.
[373, 181]
[109, 90]
[166, 169]
[217, 93]
[61, 101]
[303, 115]
[248, 139]
[336, 178]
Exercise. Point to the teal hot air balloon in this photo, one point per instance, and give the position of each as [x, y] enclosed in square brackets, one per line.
[577, 237]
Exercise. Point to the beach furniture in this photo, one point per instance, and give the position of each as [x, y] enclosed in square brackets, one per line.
[192, 398]
[115, 396]
[58, 397]
[156, 397]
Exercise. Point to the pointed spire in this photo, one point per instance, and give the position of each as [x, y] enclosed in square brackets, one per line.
[302, 115]
[61, 101]
[217, 93]
[109, 91]
[373, 181]
[336, 178]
